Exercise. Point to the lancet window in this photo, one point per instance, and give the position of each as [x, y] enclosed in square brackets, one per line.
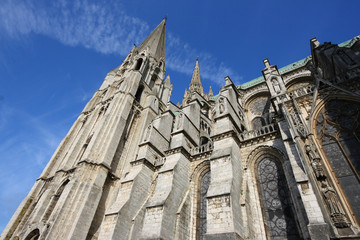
[338, 133]
[34, 235]
[277, 208]
[204, 186]
[138, 64]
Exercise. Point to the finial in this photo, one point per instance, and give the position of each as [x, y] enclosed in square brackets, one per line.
[314, 43]
[228, 81]
[266, 62]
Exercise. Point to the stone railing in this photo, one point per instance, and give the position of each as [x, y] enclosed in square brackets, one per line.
[203, 148]
[265, 130]
[298, 92]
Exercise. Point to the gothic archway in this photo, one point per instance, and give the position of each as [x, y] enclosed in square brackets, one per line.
[201, 177]
[204, 186]
[274, 196]
[276, 201]
[33, 235]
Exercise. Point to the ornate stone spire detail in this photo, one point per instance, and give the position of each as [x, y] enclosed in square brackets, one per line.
[195, 85]
[167, 81]
[155, 42]
[210, 94]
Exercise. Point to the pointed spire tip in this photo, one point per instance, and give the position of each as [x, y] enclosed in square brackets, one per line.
[155, 42]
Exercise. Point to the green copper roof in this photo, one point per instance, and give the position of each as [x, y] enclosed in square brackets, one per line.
[214, 97]
[293, 66]
[252, 82]
[345, 43]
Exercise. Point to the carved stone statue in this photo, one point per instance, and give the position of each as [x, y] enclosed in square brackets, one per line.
[179, 122]
[147, 134]
[332, 201]
[276, 85]
[315, 161]
[221, 105]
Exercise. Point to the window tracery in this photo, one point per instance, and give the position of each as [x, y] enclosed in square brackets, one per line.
[204, 186]
[338, 132]
[277, 208]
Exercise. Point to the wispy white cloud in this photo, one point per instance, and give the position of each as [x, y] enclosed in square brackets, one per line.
[76, 23]
[105, 28]
[23, 154]
[181, 57]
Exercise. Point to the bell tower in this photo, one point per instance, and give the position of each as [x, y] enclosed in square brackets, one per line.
[98, 156]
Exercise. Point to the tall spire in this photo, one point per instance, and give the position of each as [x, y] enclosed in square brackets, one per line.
[195, 84]
[155, 42]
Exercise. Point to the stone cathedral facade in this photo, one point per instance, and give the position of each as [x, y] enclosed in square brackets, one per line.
[275, 158]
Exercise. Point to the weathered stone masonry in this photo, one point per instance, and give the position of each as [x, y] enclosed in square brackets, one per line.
[273, 158]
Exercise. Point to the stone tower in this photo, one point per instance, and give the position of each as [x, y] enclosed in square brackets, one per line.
[274, 158]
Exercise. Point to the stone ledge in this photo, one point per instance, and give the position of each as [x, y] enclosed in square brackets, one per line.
[223, 236]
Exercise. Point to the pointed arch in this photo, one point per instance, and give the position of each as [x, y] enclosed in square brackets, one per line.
[138, 64]
[201, 177]
[266, 165]
[33, 235]
[336, 128]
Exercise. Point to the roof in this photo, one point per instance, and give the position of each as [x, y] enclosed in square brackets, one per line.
[294, 66]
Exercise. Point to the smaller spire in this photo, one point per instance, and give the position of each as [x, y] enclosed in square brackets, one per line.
[210, 94]
[167, 81]
[195, 84]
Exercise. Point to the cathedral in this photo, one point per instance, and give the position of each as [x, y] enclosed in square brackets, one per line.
[277, 157]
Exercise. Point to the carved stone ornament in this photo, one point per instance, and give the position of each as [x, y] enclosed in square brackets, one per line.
[221, 105]
[276, 85]
[147, 134]
[330, 196]
[298, 123]
[179, 122]
[315, 162]
[334, 206]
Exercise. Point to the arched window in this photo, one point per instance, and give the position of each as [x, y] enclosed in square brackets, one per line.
[338, 133]
[138, 64]
[204, 186]
[258, 122]
[33, 235]
[277, 208]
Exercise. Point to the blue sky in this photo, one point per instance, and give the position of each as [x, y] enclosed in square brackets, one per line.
[55, 54]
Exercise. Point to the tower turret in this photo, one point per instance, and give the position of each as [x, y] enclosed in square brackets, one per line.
[195, 86]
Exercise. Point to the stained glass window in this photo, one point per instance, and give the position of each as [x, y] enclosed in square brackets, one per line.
[338, 132]
[204, 186]
[276, 201]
